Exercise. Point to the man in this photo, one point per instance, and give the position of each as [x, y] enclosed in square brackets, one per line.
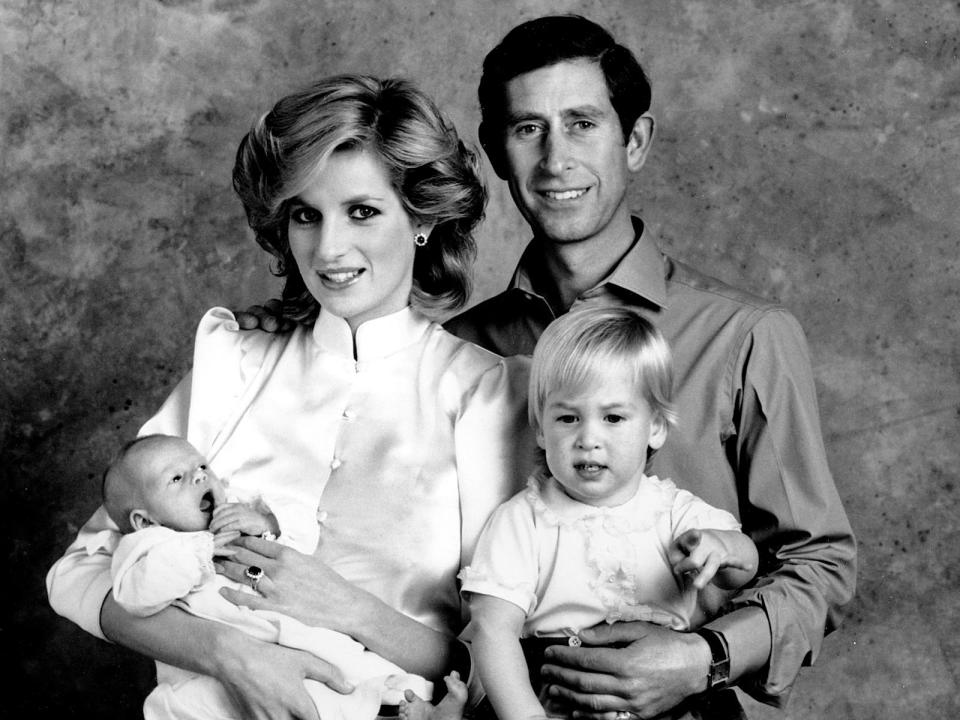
[565, 122]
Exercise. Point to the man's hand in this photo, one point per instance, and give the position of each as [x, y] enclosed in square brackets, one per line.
[267, 317]
[654, 672]
[265, 681]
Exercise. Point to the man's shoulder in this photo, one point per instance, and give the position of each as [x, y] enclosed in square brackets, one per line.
[683, 278]
[496, 324]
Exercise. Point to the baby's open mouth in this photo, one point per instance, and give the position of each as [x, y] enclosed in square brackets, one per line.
[207, 503]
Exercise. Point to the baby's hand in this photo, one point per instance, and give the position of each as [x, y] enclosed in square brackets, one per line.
[242, 518]
[699, 554]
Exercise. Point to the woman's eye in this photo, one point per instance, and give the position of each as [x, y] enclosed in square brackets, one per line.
[303, 215]
[203, 467]
[177, 478]
[614, 419]
[362, 212]
[566, 419]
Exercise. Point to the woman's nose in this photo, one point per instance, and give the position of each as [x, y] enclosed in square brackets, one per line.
[199, 476]
[329, 245]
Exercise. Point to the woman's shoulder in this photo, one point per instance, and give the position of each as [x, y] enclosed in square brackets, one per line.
[219, 336]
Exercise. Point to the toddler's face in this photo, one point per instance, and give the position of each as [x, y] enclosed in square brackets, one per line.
[180, 491]
[596, 438]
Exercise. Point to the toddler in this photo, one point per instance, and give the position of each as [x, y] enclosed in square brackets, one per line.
[175, 516]
[592, 538]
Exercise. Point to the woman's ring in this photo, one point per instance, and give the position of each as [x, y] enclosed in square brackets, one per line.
[254, 575]
[625, 715]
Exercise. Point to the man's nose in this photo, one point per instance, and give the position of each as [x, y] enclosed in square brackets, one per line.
[199, 476]
[556, 152]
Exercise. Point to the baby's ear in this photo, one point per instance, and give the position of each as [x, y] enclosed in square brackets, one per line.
[140, 519]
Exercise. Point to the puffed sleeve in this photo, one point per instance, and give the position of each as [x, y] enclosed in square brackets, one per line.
[153, 567]
[494, 446]
[789, 502]
[505, 564]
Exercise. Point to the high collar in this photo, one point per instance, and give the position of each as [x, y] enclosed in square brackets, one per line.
[640, 271]
[376, 338]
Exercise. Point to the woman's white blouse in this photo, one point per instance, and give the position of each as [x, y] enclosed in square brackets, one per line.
[400, 455]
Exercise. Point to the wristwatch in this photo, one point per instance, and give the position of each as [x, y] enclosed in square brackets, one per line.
[719, 674]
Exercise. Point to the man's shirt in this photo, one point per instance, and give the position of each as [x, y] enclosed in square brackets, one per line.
[748, 437]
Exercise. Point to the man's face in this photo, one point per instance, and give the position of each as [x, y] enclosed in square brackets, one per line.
[564, 154]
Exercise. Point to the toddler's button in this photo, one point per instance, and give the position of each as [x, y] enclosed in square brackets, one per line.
[335, 463]
[574, 641]
[349, 415]
[321, 516]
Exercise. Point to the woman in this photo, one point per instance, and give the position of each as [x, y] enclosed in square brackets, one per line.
[401, 437]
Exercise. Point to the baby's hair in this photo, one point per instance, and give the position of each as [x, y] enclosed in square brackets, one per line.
[580, 347]
[117, 498]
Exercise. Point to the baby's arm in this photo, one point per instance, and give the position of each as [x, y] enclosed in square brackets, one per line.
[244, 518]
[727, 558]
[153, 567]
[496, 626]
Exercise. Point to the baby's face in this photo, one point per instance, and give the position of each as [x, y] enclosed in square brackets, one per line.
[596, 437]
[179, 490]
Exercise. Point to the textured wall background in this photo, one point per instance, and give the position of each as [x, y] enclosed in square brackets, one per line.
[808, 151]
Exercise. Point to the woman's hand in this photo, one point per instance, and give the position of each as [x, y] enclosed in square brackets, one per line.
[265, 681]
[294, 584]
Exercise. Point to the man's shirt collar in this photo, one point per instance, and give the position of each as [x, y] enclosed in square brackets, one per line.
[639, 272]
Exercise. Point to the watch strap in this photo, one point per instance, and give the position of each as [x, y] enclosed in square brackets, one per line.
[718, 676]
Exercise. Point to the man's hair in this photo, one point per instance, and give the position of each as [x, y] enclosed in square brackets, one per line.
[581, 347]
[436, 177]
[550, 40]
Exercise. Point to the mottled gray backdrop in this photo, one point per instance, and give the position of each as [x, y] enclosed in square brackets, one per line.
[808, 151]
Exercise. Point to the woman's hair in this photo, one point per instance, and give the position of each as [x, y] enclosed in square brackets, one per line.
[547, 41]
[581, 347]
[436, 177]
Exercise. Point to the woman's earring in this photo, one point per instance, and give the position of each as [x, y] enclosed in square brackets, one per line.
[419, 239]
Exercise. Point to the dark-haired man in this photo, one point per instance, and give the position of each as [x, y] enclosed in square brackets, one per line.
[565, 123]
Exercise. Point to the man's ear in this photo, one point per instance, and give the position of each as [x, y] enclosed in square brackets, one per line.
[639, 141]
[492, 144]
[140, 519]
[658, 433]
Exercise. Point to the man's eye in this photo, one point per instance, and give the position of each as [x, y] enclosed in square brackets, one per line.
[528, 129]
[177, 478]
[363, 212]
[203, 467]
[583, 125]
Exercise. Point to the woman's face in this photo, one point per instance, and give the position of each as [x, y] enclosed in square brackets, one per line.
[352, 239]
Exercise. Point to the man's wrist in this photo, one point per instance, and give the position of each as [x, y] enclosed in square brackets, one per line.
[718, 673]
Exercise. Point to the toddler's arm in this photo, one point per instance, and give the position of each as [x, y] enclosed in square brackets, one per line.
[495, 631]
[727, 558]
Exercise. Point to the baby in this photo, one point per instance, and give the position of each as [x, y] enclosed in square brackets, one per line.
[175, 516]
[592, 538]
